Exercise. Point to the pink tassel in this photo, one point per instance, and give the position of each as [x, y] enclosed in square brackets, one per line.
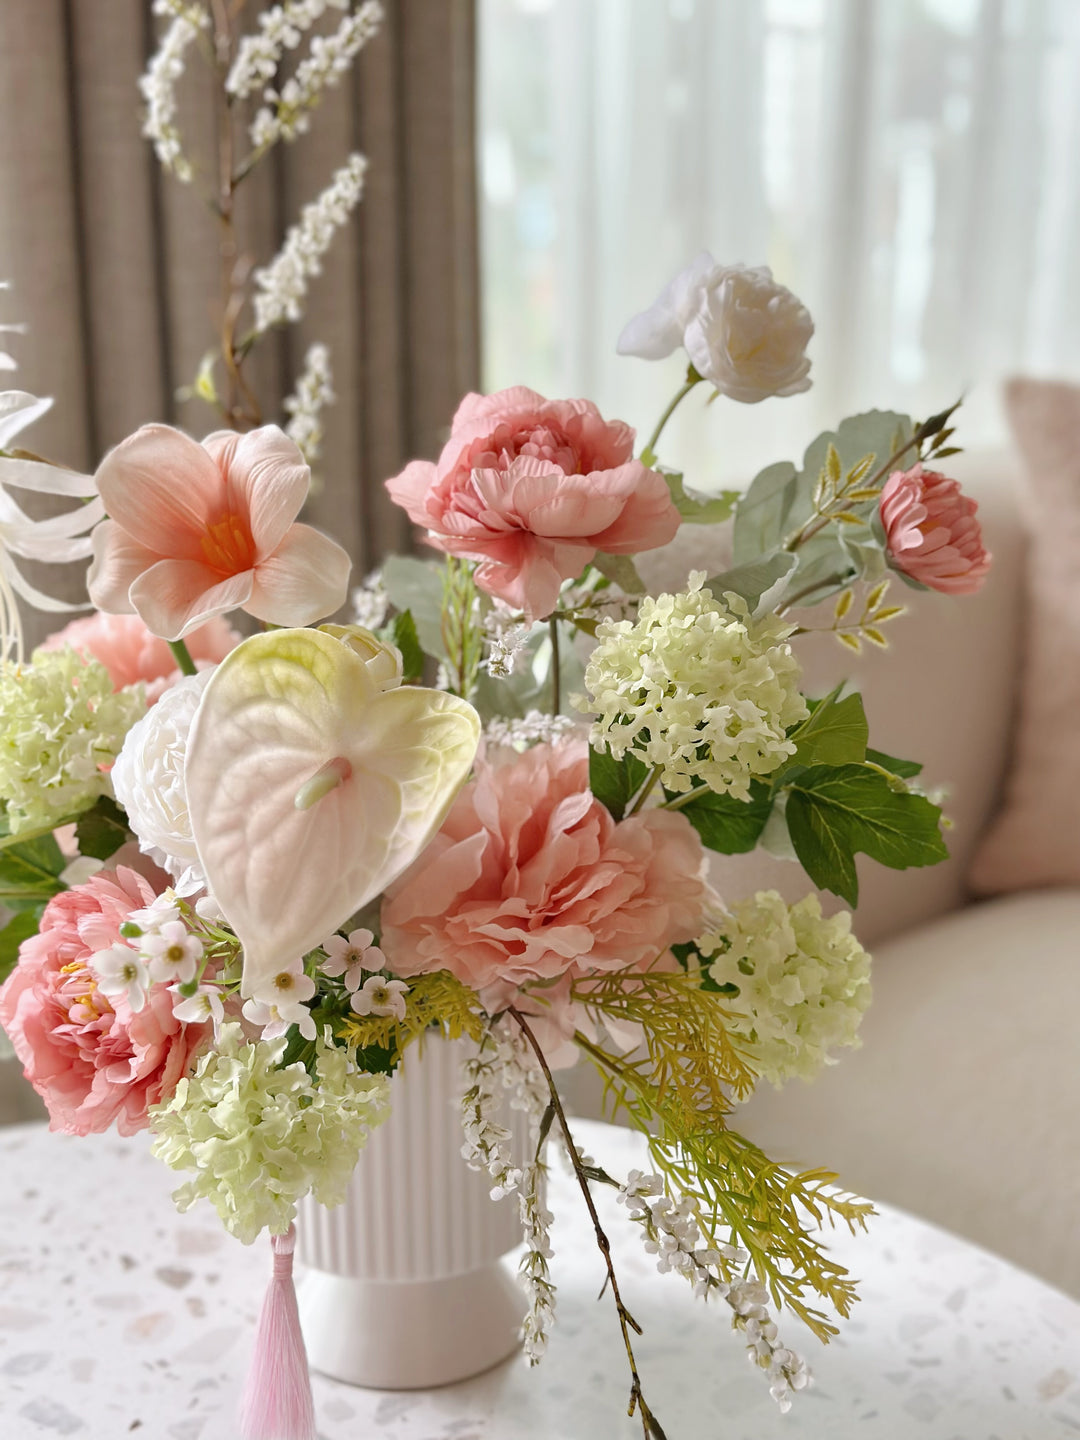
[277, 1402]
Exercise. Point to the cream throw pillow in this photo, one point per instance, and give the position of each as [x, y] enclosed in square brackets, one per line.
[1035, 840]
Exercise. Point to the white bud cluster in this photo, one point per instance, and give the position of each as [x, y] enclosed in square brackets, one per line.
[158, 85]
[533, 728]
[370, 602]
[282, 285]
[281, 28]
[507, 635]
[314, 390]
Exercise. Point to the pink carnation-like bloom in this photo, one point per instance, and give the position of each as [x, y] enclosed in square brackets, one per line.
[932, 533]
[131, 652]
[530, 879]
[91, 1059]
[197, 530]
[533, 488]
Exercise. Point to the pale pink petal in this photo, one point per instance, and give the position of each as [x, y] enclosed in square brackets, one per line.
[476, 408]
[175, 596]
[118, 562]
[266, 479]
[648, 520]
[411, 488]
[163, 489]
[304, 580]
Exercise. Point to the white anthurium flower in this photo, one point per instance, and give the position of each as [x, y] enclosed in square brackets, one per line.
[744, 332]
[57, 539]
[310, 788]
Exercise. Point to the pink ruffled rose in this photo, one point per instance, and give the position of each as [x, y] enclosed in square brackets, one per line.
[532, 489]
[932, 534]
[197, 530]
[531, 879]
[91, 1059]
[132, 653]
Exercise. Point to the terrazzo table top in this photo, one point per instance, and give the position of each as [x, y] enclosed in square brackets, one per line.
[120, 1318]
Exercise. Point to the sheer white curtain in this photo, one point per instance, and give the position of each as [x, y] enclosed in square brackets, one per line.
[911, 168]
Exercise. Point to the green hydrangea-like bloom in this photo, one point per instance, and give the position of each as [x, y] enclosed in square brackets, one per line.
[696, 686]
[60, 723]
[261, 1135]
[796, 983]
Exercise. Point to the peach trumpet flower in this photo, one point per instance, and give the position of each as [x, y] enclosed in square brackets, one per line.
[196, 530]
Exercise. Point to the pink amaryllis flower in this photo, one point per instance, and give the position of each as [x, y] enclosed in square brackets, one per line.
[532, 489]
[931, 531]
[92, 1058]
[530, 879]
[197, 530]
[132, 653]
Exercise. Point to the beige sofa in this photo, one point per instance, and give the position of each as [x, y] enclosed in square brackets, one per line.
[962, 1104]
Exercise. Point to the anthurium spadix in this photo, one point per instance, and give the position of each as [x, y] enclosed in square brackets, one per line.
[310, 788]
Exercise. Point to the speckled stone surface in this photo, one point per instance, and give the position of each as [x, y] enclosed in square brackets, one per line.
[120, 1318]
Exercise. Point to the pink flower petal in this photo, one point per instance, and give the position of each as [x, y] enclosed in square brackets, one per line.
[175, 596]
[118, 562]
[410, 489]
[163, 489]
[304, 580]
[266, 479]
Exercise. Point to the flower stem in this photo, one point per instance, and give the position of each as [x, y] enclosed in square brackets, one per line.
[645, 791]
[556, 667]
[648, 455]
[681, 801]
[651, 1427]
[183, 658]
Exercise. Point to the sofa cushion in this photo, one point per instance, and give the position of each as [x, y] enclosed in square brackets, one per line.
[1036, 839]
[942, 693]
[961, 1104]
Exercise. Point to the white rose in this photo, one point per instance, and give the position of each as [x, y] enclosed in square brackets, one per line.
[743, 332]
[148, 779]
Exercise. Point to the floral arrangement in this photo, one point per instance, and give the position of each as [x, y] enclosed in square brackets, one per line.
[244, 876]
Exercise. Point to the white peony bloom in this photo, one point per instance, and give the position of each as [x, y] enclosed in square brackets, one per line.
[743, 332]
[148, 780]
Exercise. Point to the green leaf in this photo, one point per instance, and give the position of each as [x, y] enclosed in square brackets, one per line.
[727, 825]
[11, 937]
[697, 509]
[835, 812]
[835, 733]
[622, 570]
[615, 782]
[102, 830]
[30, 871]
[906, 769]
[403, 634]
[760, 582]
[416, 586]
[762, 515]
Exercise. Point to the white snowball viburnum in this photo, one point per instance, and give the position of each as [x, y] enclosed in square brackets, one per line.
[743, 332]
[796, 983]
[697, 687]
[148, 779]
[261, 1135]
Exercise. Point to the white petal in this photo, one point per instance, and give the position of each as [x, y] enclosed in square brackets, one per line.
[17, 411]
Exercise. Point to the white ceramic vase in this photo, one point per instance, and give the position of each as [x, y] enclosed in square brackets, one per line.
[405, 1286]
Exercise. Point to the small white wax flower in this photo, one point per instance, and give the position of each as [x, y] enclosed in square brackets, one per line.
[352, 956]
[172, 953]
[196, 1009]
[121, 972]
[381, 997]
[279, 1004]
[162, 911]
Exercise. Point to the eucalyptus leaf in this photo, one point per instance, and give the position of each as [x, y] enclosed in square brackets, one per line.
[622, 570]
[416, 586]
[698, 509]
[762, 515]
[761, 582]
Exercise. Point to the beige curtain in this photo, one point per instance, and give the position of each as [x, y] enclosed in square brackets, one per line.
[114, 265]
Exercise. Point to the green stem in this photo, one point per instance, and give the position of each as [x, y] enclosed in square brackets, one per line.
[556, 667]
[648, 455]
[644, 793]
[829, 580]
[681, 801]
[183, 658]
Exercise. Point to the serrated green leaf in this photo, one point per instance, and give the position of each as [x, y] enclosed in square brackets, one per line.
[30, 871]
[615, 782]
[622, 570]
[404, 635]
[18, 929]
[102, 829]
[697, 509]
[727, 825]
[836, 812]
[834, 734]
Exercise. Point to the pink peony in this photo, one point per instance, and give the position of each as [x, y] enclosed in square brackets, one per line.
[197, 530]
[533, 488]
[130, 652]
[531, 879]
[90, 1059]
[932, 534]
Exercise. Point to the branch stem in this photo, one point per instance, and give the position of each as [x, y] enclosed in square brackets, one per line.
[648, 455]
[182, 655]
[556, 667]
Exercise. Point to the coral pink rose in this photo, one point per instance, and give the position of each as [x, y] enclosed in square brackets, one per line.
[91, 1059]
[932, 533]
[533, 488]
[130, 652]
[197, 530]
[531, 879]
